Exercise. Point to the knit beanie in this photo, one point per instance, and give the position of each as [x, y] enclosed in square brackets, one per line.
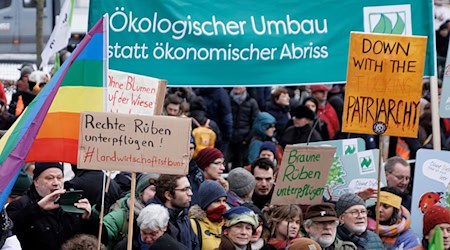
[433, 216]
[209, 192]
[144, 182]
[207, 156]
[268, 145]
[240, 214]
[346, 201]
[304, 244]
[40, 167]
[241, 181]
[23, 182]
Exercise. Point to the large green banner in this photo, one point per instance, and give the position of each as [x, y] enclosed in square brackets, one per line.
[264, 42]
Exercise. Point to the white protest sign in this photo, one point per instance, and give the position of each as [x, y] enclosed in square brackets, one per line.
[437, 170]
[134, 94]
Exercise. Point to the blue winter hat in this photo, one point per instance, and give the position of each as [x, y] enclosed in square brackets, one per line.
[209, 192]
[240, 215]
[268, 145]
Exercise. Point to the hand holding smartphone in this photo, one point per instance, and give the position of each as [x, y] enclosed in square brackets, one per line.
[68, 199]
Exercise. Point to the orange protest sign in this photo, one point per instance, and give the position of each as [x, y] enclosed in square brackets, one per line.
[136, 143]
[384, 83]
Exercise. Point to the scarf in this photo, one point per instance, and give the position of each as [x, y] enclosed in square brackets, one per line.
[345, 235]
[389, 233]
[281, 244]
[215, 214]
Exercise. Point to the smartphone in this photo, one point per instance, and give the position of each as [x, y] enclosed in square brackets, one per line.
[68, 199]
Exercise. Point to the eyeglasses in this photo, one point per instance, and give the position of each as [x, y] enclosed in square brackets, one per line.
[186, 189]
[355, 213]
[401, 178]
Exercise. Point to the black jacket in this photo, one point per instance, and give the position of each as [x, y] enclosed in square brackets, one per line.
[39, 229]
[294, 135]
[243, 116]
[91, 182]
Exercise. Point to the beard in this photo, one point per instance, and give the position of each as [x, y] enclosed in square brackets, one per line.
[323, 240]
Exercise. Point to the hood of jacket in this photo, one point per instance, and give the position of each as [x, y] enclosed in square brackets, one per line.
[262, 121]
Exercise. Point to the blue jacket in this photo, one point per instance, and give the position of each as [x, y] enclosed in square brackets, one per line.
[406, 240]
[180, 226]
[262, 121]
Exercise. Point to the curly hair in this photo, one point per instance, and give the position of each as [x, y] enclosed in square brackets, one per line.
[166, 183]
[82, 242]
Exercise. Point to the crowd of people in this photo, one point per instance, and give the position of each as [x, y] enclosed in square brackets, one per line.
[236, 147]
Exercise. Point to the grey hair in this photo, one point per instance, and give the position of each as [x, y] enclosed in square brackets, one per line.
[154, 217]
[308, 222]
[390, 163]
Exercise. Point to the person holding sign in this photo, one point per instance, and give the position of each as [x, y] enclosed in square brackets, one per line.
[284, 222]
[395, 220]
[352, 213]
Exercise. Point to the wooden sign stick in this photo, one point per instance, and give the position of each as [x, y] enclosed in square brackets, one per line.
[380, 157]
[131, 220]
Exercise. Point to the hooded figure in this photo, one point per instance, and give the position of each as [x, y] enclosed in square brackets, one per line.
[263, 130]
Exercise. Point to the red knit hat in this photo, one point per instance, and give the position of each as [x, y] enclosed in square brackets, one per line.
[433, 216]
[207, 156]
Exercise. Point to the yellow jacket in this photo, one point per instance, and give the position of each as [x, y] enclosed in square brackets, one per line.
[211, 233]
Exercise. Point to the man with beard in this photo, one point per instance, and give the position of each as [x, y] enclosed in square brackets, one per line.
[352, 213]
[174, 192]
[320, 224]
[262, 170]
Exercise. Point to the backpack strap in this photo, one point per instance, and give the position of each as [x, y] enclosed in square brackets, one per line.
[199, 232]
[196, 122]
[207, 123]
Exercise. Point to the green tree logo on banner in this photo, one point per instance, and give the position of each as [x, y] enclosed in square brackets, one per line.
[384, 25]
[388, 19]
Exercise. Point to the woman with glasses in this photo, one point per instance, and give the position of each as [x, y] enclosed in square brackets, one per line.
[395, 220]
[284, 222]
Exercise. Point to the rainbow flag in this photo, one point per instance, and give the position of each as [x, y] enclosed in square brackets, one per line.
[50, 124]
[82, 89]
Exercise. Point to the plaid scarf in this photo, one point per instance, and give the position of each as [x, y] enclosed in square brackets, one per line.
[389, 234]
